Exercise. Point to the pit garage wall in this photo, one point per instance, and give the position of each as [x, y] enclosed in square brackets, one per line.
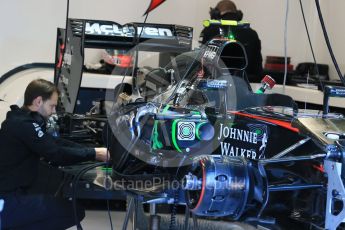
[28, 27]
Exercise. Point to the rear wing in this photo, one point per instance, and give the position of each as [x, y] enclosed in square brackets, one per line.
[85, 33]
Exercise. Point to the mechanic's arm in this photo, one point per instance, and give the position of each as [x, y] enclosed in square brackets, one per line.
[67, 143]
[101, 153]
[46, 146]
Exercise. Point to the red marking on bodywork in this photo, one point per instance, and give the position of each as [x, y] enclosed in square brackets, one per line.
[284, 124]
[320, 168]
[62, 48]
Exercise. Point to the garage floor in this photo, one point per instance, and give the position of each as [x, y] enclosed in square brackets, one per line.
[98, 220]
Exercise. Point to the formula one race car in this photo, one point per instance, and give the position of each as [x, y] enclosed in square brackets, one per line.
[206, 141]
[231, 153]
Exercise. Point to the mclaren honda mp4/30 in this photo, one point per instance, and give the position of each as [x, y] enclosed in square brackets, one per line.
[209, 142]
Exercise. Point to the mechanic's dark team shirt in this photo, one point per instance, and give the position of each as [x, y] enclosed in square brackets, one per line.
[24, 141]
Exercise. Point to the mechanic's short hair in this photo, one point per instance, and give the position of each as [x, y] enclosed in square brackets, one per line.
[39, 87]
[226, 6]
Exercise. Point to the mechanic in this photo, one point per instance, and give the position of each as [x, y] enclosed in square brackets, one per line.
[23, 143]
[227, 10]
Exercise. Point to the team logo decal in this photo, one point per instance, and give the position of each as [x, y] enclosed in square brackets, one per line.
[262, 136]
[247, 141]
[186, 131]
[38, 130]
[40, 133]
[211, 52]
[237, 142]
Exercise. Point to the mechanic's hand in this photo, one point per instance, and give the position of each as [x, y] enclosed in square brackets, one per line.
[102, 154]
